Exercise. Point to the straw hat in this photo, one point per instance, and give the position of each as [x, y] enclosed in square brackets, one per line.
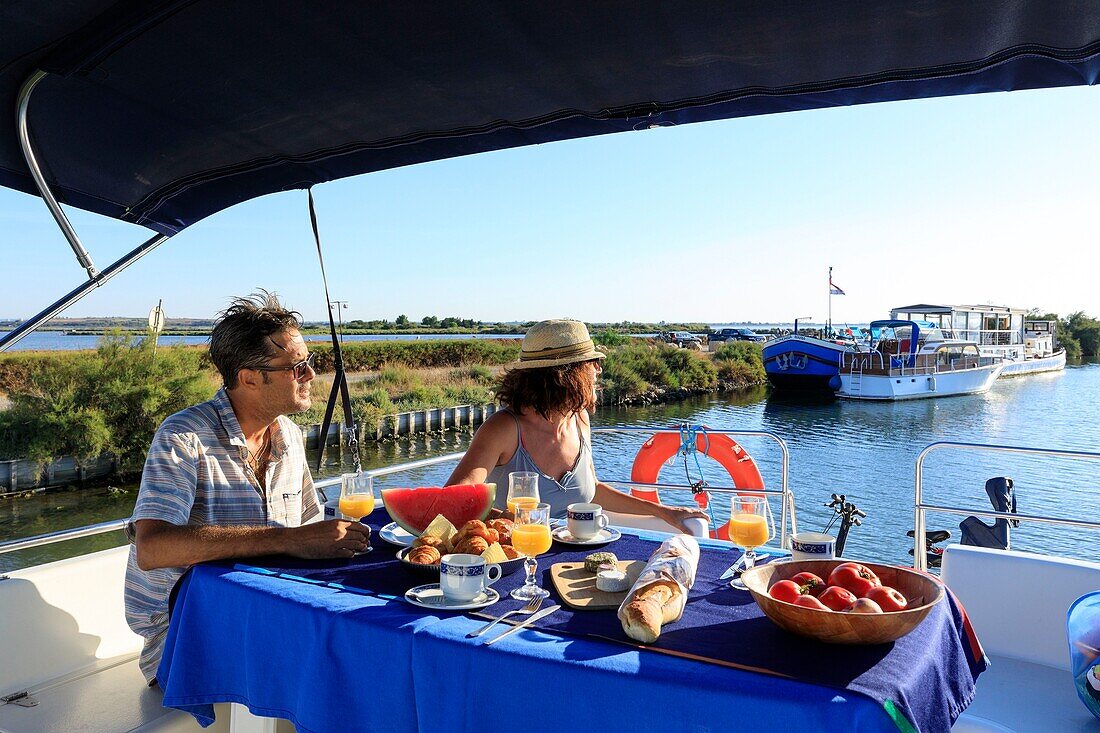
[555, 343]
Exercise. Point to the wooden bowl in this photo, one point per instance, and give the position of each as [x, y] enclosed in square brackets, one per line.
[833, 627]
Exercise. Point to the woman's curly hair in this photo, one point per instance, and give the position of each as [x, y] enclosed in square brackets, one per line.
[559, 389]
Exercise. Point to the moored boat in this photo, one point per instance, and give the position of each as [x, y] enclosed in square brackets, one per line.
[799, 363]
[912, 360]
[1027, 346]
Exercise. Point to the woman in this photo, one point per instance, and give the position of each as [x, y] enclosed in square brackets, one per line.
[545, 427]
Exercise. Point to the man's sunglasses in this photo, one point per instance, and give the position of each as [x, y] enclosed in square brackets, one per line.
[299, 369]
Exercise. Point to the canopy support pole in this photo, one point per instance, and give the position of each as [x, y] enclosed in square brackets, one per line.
[80, 291]
[95, 277]
[40, 181]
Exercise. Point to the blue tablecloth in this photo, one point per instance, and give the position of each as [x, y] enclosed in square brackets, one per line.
[295, 643]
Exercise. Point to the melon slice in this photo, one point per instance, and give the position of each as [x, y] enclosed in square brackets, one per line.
[440, 527]
[495, 553]
[414, 509]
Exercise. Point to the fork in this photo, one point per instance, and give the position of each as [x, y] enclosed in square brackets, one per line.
[531, 607]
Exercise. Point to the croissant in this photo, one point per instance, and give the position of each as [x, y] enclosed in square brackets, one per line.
[429, 541]
[423, 555]
[503, 529]
[510, 551]
[474, 545]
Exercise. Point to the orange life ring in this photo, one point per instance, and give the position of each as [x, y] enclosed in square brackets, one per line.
[722, 448]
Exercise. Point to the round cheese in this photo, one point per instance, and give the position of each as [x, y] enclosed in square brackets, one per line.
[612, 581]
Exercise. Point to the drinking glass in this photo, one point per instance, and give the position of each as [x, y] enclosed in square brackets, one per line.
[356, 495]
[750, 526]
[523, 489]
[531, 536]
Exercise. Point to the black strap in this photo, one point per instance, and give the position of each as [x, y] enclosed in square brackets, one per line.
[339, 378]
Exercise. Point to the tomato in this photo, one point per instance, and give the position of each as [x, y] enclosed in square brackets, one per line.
[889, 599]
[811, 602]
[785, 590]
[837, 598]
[863, 605]
[810, 583]
[855, 577]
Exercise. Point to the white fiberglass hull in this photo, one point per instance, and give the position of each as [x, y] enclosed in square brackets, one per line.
[918, 386]
[1053, 363]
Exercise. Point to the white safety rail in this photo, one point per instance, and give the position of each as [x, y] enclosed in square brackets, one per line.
[323, 485]
[920, 560]
[786, 496]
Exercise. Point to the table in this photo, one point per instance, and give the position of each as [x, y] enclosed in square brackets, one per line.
[332, 657]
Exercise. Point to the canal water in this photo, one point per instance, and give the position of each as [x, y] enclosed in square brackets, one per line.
[61, 341]
[866, 451]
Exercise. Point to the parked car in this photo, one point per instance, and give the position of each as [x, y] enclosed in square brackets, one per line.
[682, 339]
[738, 334]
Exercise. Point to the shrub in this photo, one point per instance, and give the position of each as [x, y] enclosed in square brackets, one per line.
[611, 338]
[688, 369]
[478, 374]
[467, 395]
[621, 383]
[644, 360]
[110, 401]
[743, 351]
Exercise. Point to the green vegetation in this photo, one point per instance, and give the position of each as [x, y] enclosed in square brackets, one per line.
[740, 364]
[640, 372]
[104, 402]
[110, 401]
[369, 356]
[400, 388]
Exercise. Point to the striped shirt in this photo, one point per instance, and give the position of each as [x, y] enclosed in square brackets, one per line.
[197, 474]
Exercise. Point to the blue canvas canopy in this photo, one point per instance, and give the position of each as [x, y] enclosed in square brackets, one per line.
[164, 112]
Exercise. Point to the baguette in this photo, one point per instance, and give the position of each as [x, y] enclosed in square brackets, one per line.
[659, 594]
[651, 607]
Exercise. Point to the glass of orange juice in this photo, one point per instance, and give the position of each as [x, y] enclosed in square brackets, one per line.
[750, 526]
[523, 489]
[356, 495]
[531, 536]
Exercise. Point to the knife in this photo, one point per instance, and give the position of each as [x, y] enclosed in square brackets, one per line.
[526, 622]
[739, 566]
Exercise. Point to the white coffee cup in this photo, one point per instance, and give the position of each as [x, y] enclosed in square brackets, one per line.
[585, 520]
[463, 577]
[812, 546]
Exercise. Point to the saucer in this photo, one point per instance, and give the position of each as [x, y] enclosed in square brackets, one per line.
[608, 534]
[395, 535]
[430, 596]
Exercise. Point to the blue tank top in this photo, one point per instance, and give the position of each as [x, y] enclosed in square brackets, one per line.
[578, 483]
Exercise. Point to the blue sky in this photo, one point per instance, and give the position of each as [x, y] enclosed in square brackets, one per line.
[978, 199]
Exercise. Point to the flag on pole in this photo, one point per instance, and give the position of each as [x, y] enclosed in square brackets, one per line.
[833, 289]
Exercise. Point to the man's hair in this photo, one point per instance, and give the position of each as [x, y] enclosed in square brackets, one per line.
[242, 334]
[568, 388]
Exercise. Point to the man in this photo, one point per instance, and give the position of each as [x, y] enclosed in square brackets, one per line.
[228, 478]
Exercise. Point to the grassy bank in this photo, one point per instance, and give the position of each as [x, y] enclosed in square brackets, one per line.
[110, 401]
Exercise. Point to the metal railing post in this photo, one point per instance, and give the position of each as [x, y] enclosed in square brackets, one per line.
[920, 560]
[95, 277]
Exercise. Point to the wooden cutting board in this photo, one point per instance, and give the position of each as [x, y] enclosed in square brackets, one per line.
[577, 586]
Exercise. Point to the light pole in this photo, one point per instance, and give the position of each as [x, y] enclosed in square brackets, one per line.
[339, 305]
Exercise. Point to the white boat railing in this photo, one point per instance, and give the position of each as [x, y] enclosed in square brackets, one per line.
[788, 516]
[920, 560]
[787, 512]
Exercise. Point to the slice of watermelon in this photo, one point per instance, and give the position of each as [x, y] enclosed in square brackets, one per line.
[414, 509]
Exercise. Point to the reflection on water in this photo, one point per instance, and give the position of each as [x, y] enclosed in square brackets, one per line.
[866, 451]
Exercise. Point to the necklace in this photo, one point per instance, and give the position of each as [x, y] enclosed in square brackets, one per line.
[256, 460]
